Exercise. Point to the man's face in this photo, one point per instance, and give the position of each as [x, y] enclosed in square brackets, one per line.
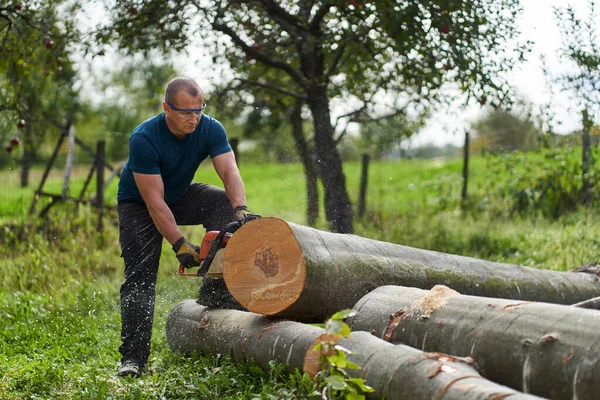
[180, 119]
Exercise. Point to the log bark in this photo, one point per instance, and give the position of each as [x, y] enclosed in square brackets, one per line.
[278, 268]
[549, 350]
[593, 304]
[192, 327]
[402, 372]
[398, 372]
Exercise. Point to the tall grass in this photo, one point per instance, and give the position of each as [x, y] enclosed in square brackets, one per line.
[59, 330]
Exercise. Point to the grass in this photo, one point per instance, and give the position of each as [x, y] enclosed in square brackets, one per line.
[59, 331]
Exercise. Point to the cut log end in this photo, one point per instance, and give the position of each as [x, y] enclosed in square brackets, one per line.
[312, 360]
[264, 267]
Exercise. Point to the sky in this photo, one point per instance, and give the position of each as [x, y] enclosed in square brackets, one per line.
[538, 25]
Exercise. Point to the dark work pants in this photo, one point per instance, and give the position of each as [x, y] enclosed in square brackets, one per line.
[141, 245]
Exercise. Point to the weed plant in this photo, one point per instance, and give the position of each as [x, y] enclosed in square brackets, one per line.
[60, 324]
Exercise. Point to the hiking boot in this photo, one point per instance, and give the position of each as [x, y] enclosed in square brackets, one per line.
[130, 368]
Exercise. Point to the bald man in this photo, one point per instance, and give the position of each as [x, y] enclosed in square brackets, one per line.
[156, 194]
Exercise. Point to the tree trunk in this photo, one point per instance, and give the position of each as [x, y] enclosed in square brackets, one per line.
[402, 372]
[278, 268]
[27, 155]
[586, 158]
[545, 349]
[338, 208]
[393, 371]
[193, 327]
[465, 172]
[310, 170]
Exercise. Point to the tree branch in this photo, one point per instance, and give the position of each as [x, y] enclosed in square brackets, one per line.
[274, 88]
[313, 27]
[275, 63]
[278, 13]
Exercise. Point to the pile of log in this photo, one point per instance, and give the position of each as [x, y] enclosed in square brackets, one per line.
[426, 325]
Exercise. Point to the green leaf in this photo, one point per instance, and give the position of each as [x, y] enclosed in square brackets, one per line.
[341, 315]
[345, 330]
[338, 359]
[355, 396]
[336, 382]
[334, 327]
[351, 365]
[361, 384]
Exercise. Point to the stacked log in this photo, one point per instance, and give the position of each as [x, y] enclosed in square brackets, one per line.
[278, 268]
[395, 372]
[546, 349]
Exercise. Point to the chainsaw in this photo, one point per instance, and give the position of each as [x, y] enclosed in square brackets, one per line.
[212, 249]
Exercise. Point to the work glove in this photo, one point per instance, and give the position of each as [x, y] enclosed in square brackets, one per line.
[241, 214]
[187, 253]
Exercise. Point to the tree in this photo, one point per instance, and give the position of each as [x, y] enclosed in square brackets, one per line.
[129, 96]
[508, 129]
[356, 50]
[37, 94]
[580, 50]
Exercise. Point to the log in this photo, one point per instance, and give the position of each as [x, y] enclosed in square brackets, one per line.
[549, 350]
[192, 327]
[278, 268]
[402, 372]
[593, 304]
[394, 371]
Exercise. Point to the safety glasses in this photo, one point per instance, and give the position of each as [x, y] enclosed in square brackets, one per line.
[185, 113]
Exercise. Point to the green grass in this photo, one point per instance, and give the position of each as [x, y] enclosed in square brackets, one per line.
[59, 330]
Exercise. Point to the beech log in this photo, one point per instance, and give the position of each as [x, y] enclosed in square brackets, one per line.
[397, 372]
[402, 372]
[278, 268]
[545, 349]
[192, 327]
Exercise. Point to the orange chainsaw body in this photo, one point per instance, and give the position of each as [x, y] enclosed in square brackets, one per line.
[205, 248]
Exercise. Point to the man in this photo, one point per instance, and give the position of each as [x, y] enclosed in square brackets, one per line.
[156, 194]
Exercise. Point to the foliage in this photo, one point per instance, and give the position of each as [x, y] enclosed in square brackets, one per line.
[352, 51]
[337, 384]
[548, 183]
[37, 91]
[270, 130]
[507, 130]
[380, 137]
[130, 95]
[580, 49]
[59, 331]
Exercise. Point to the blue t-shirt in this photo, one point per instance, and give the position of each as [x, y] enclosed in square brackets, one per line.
[153, 149]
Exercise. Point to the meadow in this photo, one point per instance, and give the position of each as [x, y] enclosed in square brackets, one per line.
[59, 315]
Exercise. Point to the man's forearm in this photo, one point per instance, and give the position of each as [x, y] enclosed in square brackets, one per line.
[234, 187]
[165, 221]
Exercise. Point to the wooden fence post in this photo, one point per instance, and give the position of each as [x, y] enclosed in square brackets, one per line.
[69, 163]
[465, 172]
[100, 153]
[363, 185]
[586, 157]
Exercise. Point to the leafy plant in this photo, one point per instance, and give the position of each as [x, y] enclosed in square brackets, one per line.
[548, 183]
[337, 384]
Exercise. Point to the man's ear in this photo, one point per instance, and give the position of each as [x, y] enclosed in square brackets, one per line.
[165, 106]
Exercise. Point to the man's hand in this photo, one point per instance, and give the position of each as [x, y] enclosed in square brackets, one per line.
[187, 253]
[241, 214]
